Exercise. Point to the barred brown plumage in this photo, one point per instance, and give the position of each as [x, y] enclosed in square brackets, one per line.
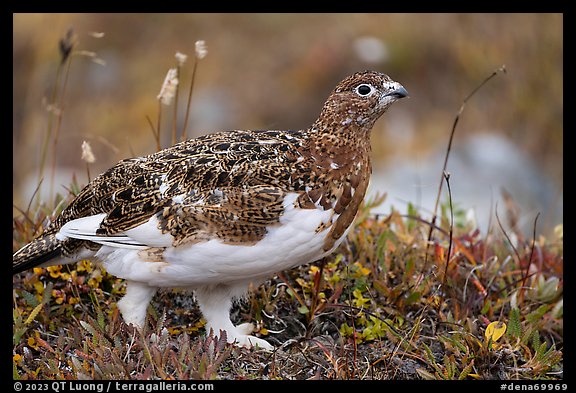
[222, 210]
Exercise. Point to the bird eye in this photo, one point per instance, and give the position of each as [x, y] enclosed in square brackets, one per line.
[364, 90]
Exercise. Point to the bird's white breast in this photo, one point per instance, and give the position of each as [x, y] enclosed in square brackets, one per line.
[294, 241]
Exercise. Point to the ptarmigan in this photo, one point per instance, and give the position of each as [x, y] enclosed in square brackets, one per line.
[224, 210]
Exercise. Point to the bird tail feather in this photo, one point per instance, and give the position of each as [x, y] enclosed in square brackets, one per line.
[35, 253]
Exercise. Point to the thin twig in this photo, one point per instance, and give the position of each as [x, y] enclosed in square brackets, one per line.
[317, 282]
[488, 230]
[525, 275]
[518, 258]
[282, 277]
[506, 234]
[36, 190]
[25, 215]
[158, 125]
[59, 123]
[447, 177]
[184, 134]
[175, 111]
[445, 165]
[154, 132]
[51, 111]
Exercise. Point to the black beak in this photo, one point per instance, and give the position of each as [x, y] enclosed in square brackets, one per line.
[400, 92]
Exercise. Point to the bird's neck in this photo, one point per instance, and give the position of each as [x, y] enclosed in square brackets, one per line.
[338, 113]
[337, 145]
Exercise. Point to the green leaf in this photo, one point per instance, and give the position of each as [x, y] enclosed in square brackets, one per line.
[541, 351]
[536, 315]
[527, 334]
[558, 309]
[380, 248]
[47, 292]
[449, 367]
[30, 299]
[514, 326]
[15, 375]
[88, 328]
[408, 270]
[413, 298]
[291, 293]
[100, 320]
[303, 310]
[535, 340]
[552, 356]
[18, 332]
[431, 359]
[412, 212]
[455, 340]
[346, 330]
[467, 370]
[485, 308]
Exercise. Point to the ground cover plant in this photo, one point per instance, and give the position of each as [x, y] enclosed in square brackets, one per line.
[410, 295]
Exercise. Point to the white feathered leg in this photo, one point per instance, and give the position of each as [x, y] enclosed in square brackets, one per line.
[134, 304]
[215, 303]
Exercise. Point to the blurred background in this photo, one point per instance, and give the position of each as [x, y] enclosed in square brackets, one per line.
[274, 71]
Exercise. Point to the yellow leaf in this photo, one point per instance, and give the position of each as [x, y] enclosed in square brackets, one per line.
[33, 314]
[361, 269]
[495, 330]
[39, 287]
[54, 271]
[313, 269]
[32, 343]
[38, 270]
[85, 266]
[17, 358]
[301, 282]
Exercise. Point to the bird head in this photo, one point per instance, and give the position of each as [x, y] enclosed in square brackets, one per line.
[360, 99]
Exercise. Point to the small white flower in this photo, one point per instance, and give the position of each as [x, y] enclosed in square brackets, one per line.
[168, 90]
[200, 49]
[181, 58]
[87, 155]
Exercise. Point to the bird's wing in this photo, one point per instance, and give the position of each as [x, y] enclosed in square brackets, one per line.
[228, 186]
[85, 228]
